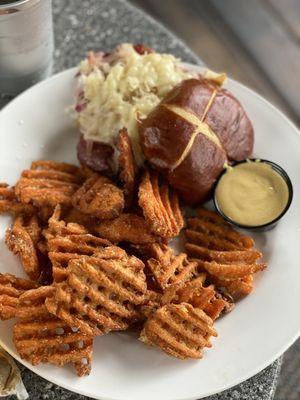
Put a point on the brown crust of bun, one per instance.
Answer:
(164, 135)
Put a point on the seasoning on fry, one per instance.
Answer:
(160, 206)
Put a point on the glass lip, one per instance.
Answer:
(280, 171)
(18, 5)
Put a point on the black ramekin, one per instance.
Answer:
(271, 224)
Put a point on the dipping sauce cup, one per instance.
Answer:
(253, 194)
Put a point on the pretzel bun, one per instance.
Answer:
(192, 133)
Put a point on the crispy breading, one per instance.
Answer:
(160, 206)
(198, 295)
(62, 249)
(48, 183)
(66, 241)
(10, 204)
(22, 239)
(58, 226)
(40, 337)
(101, 292)
(192, 288)
(180, 330)
(236, 288)
(86, 172)
(228, 257)
(211, 216)
(205, 254)
(226, 237)
(100, 197)
(127, 166)
(11, 288)
(126, 228)
(75, 216)
(168, 268)
(230, 271)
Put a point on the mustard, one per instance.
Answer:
(252, 193)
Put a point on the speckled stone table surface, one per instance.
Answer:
(80, 26)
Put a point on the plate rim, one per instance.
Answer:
(246, 375)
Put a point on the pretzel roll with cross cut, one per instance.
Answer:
(191, 135)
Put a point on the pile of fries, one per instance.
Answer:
(98, 259)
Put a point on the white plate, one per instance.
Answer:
(262, 326)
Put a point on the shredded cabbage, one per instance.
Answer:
(116, 90)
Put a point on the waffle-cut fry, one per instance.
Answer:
(100, 197)
(10, 204)
(160, 206)
(86, 172)
(127, 166)
(11, 288)
(75, 216)
(230, 271)
(210, 242)
(84, 244)
(58, 226)
(45, 213)
(168, 268)
(236, 288)
(49, 340)
(153, 300)
(40, 337)
(222, 232)
(22, 239)
(227, 256)
(126, 228)
(205, 297)
(48, 183)
(62, 245)
(32, 303)
(211, 216)
(217, 306)
(180, 330)
(101, 292)
(224, 257)
(199, 296)
(62, 249)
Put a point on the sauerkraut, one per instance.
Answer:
(118, 89)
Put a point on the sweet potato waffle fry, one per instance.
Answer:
(236, 288)
(227, 256)
(22, 239)
(71, 219)
(48, 183)
(168, 268)
(66, 241)
(178, 280)
(204, 297)
(62, 249)
(160, 206)
(10, 204)
(179, 330)
(58, 226)
(40, 337)
(73, 215)
(127, 166)
(11, 289)
(101, 292)
(126, 228)
(100, 197)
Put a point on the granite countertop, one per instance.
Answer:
(80, 26)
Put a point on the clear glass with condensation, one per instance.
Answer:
(26, 44)
(252, 193)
